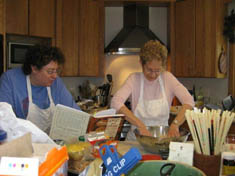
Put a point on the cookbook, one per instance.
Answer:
(69, 123)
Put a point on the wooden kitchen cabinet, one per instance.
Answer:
(17, 16)
(42, 18)
(2, 17)
(30, 17)
(91, 37)
(67, 34)
(231, 82)
(80, 35)
(198, 38)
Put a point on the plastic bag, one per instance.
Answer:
(16, 127)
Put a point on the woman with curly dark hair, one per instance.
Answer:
(151, 93)
(35, 89)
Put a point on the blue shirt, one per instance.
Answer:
(13, 90)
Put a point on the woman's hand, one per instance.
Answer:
(143, 131)
(174, 131)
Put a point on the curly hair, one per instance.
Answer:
(153, 50)
(41, 55)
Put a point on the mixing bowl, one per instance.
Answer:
(159, 142)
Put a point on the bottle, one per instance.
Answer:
(81, 138)
(228, 163)
(200, 99)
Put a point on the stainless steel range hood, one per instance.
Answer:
(135, 31)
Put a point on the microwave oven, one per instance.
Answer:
(18, 45)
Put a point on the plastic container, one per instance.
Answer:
(148, 157)
(55, 163)
(3, 136)
(228, 163)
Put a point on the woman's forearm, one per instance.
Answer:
(130, 117)
(180, 118)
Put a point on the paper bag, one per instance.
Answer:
(20, 147)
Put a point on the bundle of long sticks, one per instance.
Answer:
(209, 129)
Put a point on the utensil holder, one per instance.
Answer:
(209, 164)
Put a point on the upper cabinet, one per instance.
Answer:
(231, 81)
(199, 38)
(17, 16)
(80, 35)
(91, 37)
(2, 17)
(30, 17)
(42, 18)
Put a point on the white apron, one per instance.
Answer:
(151, 112)
(40, 117)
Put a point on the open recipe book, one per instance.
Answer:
(69, 123)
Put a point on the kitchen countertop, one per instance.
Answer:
(124, 146)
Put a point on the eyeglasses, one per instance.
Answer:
(52, 71)
(149, 70)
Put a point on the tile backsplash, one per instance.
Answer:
(214, 90)
(72, 83)
(121, 66)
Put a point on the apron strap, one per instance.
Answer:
(49, 95)
(163, 90)
(29, 89)
(141, 87)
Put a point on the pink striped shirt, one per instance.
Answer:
(152, 90)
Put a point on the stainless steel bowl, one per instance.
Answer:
(159, 142)
(158, 131)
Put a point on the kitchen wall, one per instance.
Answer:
(120, 66)
(72, 83)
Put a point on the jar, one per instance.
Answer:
(3, 136)
(228, 163)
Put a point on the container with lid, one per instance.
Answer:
(228, 163)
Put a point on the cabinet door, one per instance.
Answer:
(17, 16)
(184, 39)
(1, 17)
(42, 18)
(209, 37)
(231, 82)
(67, 35)
(91, 37)
(80, 35)
(199, 38)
